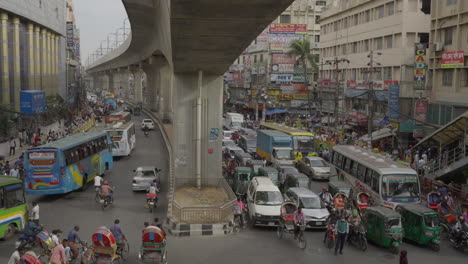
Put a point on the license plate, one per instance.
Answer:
(151, 204)
(101, 201)
(271, 223)
(318, 223)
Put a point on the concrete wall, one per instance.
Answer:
(48, 13)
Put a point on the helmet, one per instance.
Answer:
(105, 183)
(355, 212)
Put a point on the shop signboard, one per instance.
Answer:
(281, 78)
(69, 31)
(364, 85)
(453, 59)
(420, 65)
(32, 102)
(420, 111)
(283, 59)
(279, 48)
(288, 28)
(300, 96)
(285, 97)
(394, 102)
(298, 78)
(284, 38)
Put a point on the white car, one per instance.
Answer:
(228, 143)
(315, 212)
(227, 134)
(148, 123)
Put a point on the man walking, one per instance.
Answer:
(20, 138)
(14, 172)
(12, 144)
(35, 213)
(342, 229)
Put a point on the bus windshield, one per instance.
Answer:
(303, 143)
(400, 187)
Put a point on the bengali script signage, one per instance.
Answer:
(453, 59)
(420, 65)
(420, 111)
(279, 48)
(284, 38)
(364, 85)
(69, 30)
(394, 102)
(288, 28)
(283, 59)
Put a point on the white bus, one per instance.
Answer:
(388, 182)
(123, 138)
(233, 121)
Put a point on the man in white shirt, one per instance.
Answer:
(35, 213)
(16, 256)
(14, 172)
(97, 183)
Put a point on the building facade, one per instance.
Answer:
(390, 30)
(448, 68)
(265, 76)
(73, 57)
(32, 53)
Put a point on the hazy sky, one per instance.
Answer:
(96, 19)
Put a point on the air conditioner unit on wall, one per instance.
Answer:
(438, 46)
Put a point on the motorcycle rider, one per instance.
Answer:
(331, 221)
(152, 190)
(146, 130)
(457, 230)
(31, 229)
(326, 196)
(354, 221)
(107, 191)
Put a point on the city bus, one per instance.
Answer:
(303, 141)
(123, 138)
(388, 182)
(67, 164)
(12, 206)
(121, 116)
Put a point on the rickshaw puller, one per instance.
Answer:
(299, 220)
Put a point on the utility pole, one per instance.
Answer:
(336, 62)
(370, 97)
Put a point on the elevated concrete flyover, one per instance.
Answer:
(184, 47)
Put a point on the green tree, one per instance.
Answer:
(300, 48)
(6, 116)
(56, 107)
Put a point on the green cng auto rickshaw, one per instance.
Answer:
(335, 187)
(270, 172)
(421, 224)
(242, 158)
(254, 166)
(383, 227)
(241, 180)
(295, 180)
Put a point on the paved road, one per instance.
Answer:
(65, 211)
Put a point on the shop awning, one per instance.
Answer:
(276, 111)
(379, 134)
(453, 131)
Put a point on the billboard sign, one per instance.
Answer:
(279, 48)
(32, 102)
(453, 59)
(281, 78)
(284, 38)
(394, 102)
(283, 59)
(420, 111)
(69, 30)
(288, 28)
(420, 65)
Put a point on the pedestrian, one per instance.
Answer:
(12, 144)
(16, 256)
(56, 235)
(34, 216)
(25, 137)
(116, 230)
(342, 229)
(7, 167)
(404, 257)
(14, 172)
(20, 138)
(73, 235)
(37, 140)
(58, 255)
(28, 132)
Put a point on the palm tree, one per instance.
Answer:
(301, 49)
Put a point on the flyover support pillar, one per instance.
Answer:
(125, 83)
(197, 125)
(154, 81)
(111, 83)
(138, 74)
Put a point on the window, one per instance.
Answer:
(464, 77)
(387, 73)
(340, 161)
(448, 36)
(255, 58)
(451, 2)
(368, 177)
(354, 169)
(447, 77)
(261, 57)
(366, 45)
(375, 181)
(367, 16)
(356, 19)
(380, 11)
(354, 47)
(345, 22)
(389, 42)
(347, 167)
(321, 3)
(317, 19)
(343, 49)
(317, 38)
(335, 26)
(286, 19)
(361, 172)
(390, 9)
(378, 43)
(243, 59)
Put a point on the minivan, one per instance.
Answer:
(264, 201)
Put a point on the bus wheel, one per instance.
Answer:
(10, 231)
(85, 183)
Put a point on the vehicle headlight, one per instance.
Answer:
(428, 233)
(258, 215)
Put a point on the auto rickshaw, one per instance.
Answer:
(241, 180)
(242, 158)
(335, 187)
(420, 224)
(363, 200)
(433, 200)
(295, 180)
(254, 165)
(383, 226)
(270, 172)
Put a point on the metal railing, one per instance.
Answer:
(203, 214)
(446, 159)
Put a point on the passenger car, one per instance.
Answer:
(314, 167)
(144, 176)
(314, 210)
(227, 134)
(264, 202)
(228, 143)
(148, 123)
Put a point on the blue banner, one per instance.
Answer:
(394, 101)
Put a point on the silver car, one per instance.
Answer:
(314, 209)
(314, 167)
(144, 176)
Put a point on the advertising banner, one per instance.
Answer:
(299, 86)
(420, 111)
(281, 78)
(394, 102)
(453, 59)
(288, 28)
(298, 78)
(364, 85)
(286, 68)
(283, 59)
(285, 97)
(284, 38)
(32, 102)
(420, 65)
(300, 96)
(279, 48)
(69, 30)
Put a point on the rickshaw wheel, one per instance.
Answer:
(363, 244)
(164, 257)
(279, 232)
(302, 242)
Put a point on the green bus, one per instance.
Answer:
(13, 206)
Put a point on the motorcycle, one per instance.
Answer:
(330, 236)
(146, 133)
(151, 199)
(460, 243)
(105, 201)
(26, 242)
(358, 237)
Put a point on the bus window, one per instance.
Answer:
(361, 172)
(14, 195)
(348, 163)
(375, 181)
(339, 164)
(354, 169)
(368, 178)
(335, 158)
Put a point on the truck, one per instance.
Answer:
(233, 121)
(276, 147)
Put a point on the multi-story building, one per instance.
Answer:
(32, 48)
(74, 87)
(264, 68)
(390, 29)
(448, 67)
